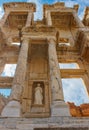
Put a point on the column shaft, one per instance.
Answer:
(78, 21)
(4, 18)
(49, 20)
(56, 83)
(19, 78)
(29, 19)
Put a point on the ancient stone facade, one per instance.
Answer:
(36, 100)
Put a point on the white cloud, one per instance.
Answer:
(74, 91)
(70, 3)
(9, 70)
(1, 12)
(68, 66)
(39, 9)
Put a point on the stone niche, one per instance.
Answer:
(36, 95)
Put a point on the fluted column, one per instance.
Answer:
(49, 20)
(19, 78)
(78, 21)
(29, 19)
(56, 83)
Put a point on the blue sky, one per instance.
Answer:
(74, 90)
(69, 3)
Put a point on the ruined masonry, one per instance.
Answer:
(36, 101)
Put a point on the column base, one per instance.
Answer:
(12, 109)
(60, 108)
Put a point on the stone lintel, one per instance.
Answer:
(6, 82)
(70, 73)
(39, 29)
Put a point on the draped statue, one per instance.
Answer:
(38, 95)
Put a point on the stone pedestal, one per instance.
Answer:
(59, 108)
(12, 109)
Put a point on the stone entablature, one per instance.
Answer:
(21, 6)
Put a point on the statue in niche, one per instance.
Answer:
(38, 96)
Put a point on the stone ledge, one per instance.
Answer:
(53, 122)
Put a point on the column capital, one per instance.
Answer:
(51, 40)
(25, 40)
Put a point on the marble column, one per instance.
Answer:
(19, 78)
(58, 107)
(49, 20)
(29, 19)
(13, 108)
(56, 83)
(78, 21)
(4, 18)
